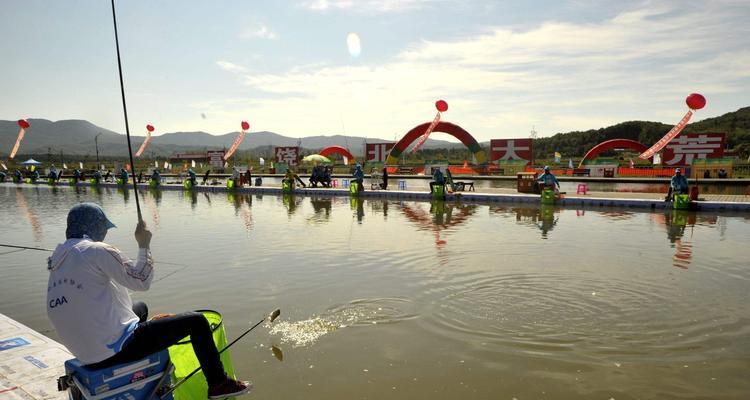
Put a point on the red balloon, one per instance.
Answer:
(23, 124)
(695, 101)
(245, 125)
(441, 105)
(150, 128)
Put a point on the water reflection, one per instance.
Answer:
(321, 209)
(242, 205)
(23, 207)
(543, 218)
(379, 207)
(152, 200)
(357, 205)
(440, 216)
(291, 203)
(125, 192)
(676, 222)
(193, 198)
(617, 215)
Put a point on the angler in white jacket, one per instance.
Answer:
(90, 307)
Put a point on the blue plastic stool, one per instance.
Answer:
(345, 183)
(401, 185)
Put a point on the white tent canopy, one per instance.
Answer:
(31, 161)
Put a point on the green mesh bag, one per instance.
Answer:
(185, 361)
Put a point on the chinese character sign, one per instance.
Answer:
(288, 155)
(683, 149)
(377, 152)
(216, 159)
(511, 149)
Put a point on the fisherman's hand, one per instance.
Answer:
(142, 235)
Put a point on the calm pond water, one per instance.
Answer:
(413, 300)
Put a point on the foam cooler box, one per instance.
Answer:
(131, 381)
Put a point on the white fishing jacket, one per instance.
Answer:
(87, 296)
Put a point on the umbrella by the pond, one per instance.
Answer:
(31, 161)
(316, 158)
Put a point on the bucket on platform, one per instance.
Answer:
(438, 192)
(681, 201)
(548, 196)
(184, 360)
(286, 186)
(354, 188)
(188, 184)
(230, 184)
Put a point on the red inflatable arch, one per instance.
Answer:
(336, 150)
(613, 144)
(445, 127)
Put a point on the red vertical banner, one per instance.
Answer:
(149, 129)
(668, 137)
(237, 140)
(22, 125)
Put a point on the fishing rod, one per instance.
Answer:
(125, 112)
(13, 246)
(270, 317)
(25, 247)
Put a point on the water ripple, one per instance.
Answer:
(547, 314)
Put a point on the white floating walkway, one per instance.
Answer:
(469, 197)
(30, 363)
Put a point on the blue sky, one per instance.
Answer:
(284, 66)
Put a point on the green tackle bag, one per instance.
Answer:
(184, 360)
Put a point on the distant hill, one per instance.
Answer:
(735, 124)
(76, 137)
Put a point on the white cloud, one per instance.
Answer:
(363, 5)
(262, 32)
(230, 67)
(558, 76)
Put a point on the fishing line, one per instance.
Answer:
(51, 250)
(125, 112)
